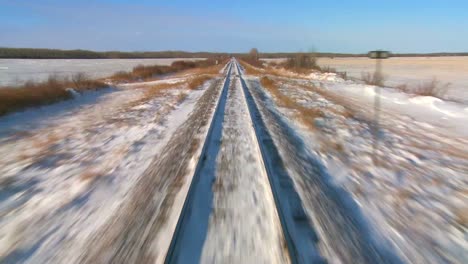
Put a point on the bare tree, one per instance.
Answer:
(302, 60)
(253, 53)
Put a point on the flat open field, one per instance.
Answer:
(236, 164)
(411, 71)
(18, 71)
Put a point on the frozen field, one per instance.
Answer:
(18, 71)
(248, 167)
(411, 71)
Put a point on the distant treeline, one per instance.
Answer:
(27, 53)
(30, 53)
(342, 55)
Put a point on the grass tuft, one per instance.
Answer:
(36, 94)
(198, 81)
(430, 88)
(373, 78)
(303, 114)
(143, 72)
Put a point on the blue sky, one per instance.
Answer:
(236, 26)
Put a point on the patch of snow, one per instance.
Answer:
(18, 71)
(73, 92)
(449, 116)
(411, 71)
(411, 198)
(235, 233)
(67, 173)
(148, 83)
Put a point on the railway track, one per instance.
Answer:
(174, 247)
(198, 228)
(300, 235)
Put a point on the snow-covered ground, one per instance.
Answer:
(103, 178)
(230, 216)
(65, 169)
(244, 225)
(411, 71)
(415, 196)
(17, 71)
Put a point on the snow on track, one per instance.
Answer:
(300, 236)
(244, 225)
(231, 216)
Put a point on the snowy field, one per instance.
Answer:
(17, 71)
(451, 71)
(67, 168)
(236, 170)
(414, 196)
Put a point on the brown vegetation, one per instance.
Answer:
(158, 89)
(55, 88)
(249, 69)
(305, 115)
(142, 72)
(90, 174)
(430, 88)
(286, 101)
(343, 74)
(301, 62)
(210, 70)
(272, 87)
(252, 58)
(373, 78)
(461, 216)
(43, 93)
(198, 81)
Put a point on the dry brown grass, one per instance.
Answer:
(145, 72)
(307, 116)
(198, 81)
(268, 83)
(301, 61)
(251, 70)
(429, 88)
(211, 70)
(192, 83)
(303, 114)
(159, 89)
(403, 195)
(346, 111)
(329, 145)
(43, 93)
(122, 76)
(281, 99)
(47, 141)
(352, 109)
(90, 174)
(461, 216)
(373, 78)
